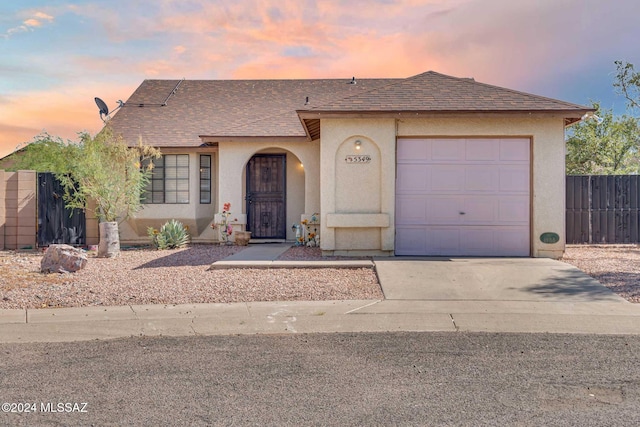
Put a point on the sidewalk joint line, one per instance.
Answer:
(454, 322)
(364, 306)
(134, 312)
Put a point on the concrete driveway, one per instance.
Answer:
(499, 295)
(488, 279)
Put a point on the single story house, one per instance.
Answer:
(425, 165)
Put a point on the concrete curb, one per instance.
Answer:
(89, 323)
(420, 297)
(221, 265)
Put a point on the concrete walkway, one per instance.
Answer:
(265, 255)
(260, 252)
(428, 294)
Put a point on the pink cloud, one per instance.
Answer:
(501, 42)
(61, 112)
(33, 20)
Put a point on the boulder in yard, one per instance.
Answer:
(63, 259)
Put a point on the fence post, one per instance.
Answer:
(590, 207)
(3, 207)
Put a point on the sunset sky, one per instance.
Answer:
(56, 55)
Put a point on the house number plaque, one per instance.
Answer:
(358, 158)
(549, 238)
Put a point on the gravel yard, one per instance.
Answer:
(615, 266)
(146, 276)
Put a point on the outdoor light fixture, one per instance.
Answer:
(358, 144)
(591, 115)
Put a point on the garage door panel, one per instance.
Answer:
(473, 197)
(444, 210)
(411, 241)
(514, 150)
(514, 179)
(480, 179)
(413, 150)
(443, 240)
(513, 210)
(479, 210)
(476, 240)
(463, 241)
(412, 178)
(447, 149)
(512, 241)
(445, 178)
(481, 150)
(411, 210)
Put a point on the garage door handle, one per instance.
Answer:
(462, 213)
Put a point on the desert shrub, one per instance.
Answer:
(173, 234)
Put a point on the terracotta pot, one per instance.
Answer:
(242, 238)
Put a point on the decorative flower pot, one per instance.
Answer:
(242, 238)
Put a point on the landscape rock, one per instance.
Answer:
(63, 259)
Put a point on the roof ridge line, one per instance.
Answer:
(396, 81)
(519, 92)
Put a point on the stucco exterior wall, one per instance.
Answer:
(357, 203)
(229, 185)
(18, 206)
(358, 200)
(197, 216)
(303, 177)
(547, 170)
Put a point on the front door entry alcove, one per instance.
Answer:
(266, 196)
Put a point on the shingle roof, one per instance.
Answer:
(431, 91)
(224, 108)
(174, 113)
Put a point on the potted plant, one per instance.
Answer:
(224, 225)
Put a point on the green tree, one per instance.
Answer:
(627, 83)
(100, 169)
(608, 146)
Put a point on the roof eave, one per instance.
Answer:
(310, 118)
(252, 138)
(327, 114)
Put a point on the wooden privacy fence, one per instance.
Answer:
(32, 213)
(603, 209)
(56, 223)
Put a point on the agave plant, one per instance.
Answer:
(173, 234)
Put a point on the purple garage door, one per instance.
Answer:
(467, 196)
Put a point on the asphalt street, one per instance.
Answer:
(325, 379)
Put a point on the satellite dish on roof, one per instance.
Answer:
(104, 110)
